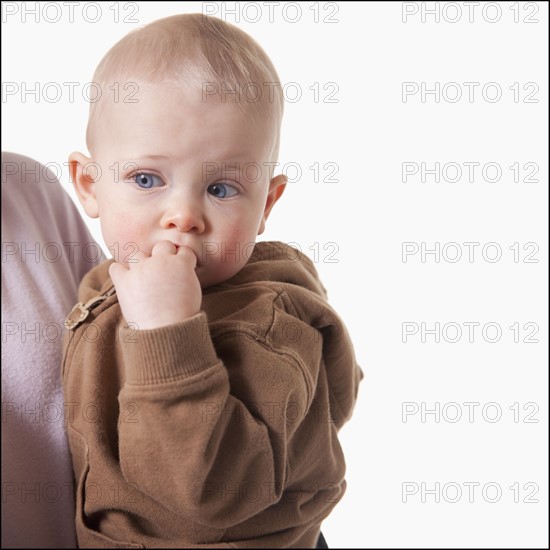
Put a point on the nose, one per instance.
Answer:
(185, 215)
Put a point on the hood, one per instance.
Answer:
(277, 262)
(290, 273)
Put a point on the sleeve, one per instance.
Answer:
(194, 439)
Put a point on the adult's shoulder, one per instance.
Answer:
(46, 238)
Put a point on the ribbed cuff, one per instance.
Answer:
(175, 351)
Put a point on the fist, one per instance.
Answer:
(160, 289)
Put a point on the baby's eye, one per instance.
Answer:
(147, 181)
(222, 190)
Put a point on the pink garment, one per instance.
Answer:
(40, 276)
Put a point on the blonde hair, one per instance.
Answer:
(194, 50)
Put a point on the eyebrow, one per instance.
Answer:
(227, 164)
(220, 167)
(151, 157)
(232, 165)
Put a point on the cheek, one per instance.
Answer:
(122, 233)
(238, 237)
(232, 250)
(243, 225)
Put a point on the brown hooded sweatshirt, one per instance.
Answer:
(219, 431)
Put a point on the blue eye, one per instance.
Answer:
(147, 181)
(222, 190)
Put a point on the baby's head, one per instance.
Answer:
(176, 155)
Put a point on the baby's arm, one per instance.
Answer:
(206, 432)
(197, 441)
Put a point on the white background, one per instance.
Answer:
(368, 52)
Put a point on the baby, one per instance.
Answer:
(205, 376)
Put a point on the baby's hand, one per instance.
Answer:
(160, 289)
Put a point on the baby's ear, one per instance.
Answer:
(81, 172)
(276, 188)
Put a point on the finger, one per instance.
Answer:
(163, 247)
(186, 251)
